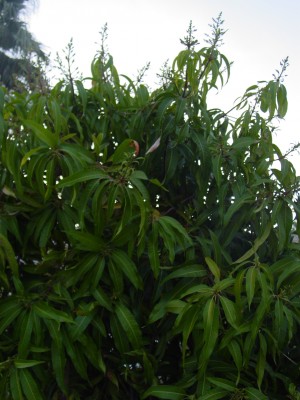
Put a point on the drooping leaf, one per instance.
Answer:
(250, 284)
(188, 271)
(215, 394)
(214, 269)
(43, 310)
(129, 325)
(127, 267)
(254, 394)
(82, 176)
(229, 310)
(257, 243)
(29, 385)
(164, 392)
(42, 133)
(15, 385)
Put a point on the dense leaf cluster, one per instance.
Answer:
(133, 271)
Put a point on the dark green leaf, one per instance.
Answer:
(29, 385)
(188, 271)
(164, 392)
(15, 385)
(215, 394)
(43, 310)
(82, 176)
(42, 133)
(129, 324)
(254, 394)
(127, 267)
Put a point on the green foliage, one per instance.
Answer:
(149, 245)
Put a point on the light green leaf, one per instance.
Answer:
(30, 153)
(175, 306)
(229, 310)
(18, 363)
(201, 289)
(123, 151)
(214, 269)
(156, 182)
(139, 175)
(224, 284)
(282, 101)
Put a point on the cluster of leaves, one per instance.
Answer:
(137, 272)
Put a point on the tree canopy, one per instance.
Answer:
(18, 48)
(149, 245)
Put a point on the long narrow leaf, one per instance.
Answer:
(29, 385)
(82, 176)
(165, 392)
(129, 325)
(43, 310)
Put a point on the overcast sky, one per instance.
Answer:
(260, 34)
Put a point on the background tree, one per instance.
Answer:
(147, 241)
(19, 51)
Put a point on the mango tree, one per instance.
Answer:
(149, 244)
